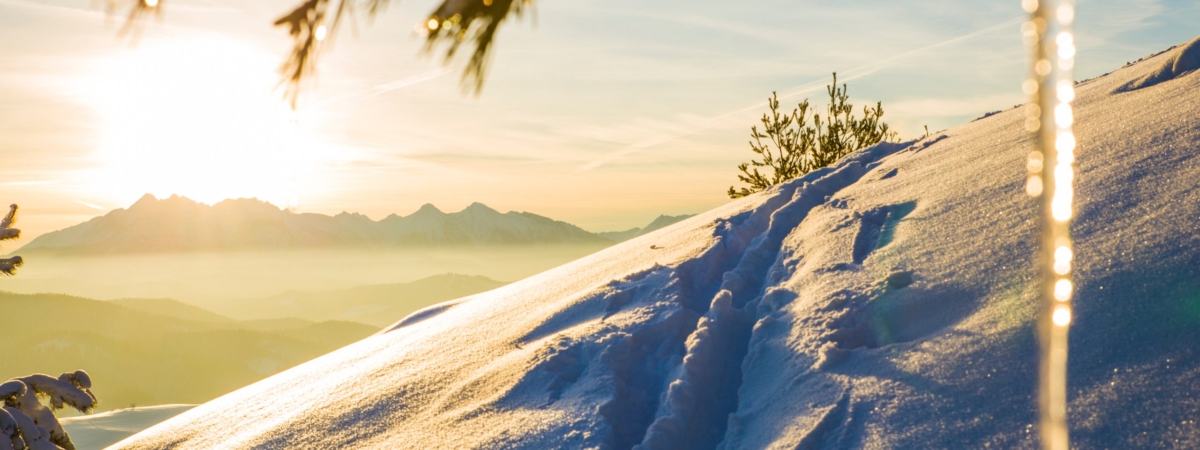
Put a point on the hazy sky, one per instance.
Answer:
(601, 113)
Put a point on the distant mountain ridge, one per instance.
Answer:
(181, 224)
(129, 347)
(658, 222)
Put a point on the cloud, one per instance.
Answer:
(91, 205)
(29, 183)
(803, 89)
(43, 7)
(384, 88)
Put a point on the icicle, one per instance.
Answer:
(1051, 174)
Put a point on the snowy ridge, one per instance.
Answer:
(690, 418)
(100, 430)
(1181, 62)
(885, 302)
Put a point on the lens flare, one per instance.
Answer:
(1066, 14)
(1051, 177)
(1062, 290)
(1063, 115)
(1066, 91)
(1033, 186)
(1062, 315)
(1062, 261)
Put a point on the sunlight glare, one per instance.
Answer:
(1062, 290)
(1062, 315)
(199, 118)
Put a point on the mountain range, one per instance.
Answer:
(659, 222)
(180, 224)
(156, 351)
(163, 351)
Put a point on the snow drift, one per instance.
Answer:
(1181, 62)
(97, 431)
(885, 302)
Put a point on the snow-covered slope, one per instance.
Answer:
(98, 431)
(885, 302)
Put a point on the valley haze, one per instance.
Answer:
(247, 249)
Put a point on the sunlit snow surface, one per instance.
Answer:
(97, 431)
(886, 302)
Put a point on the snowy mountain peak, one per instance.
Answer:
(145, 200)
(1179, 61)
(353, 216)
(149, 202)
(242, 206)
(479, 208)
(428, 209)
(662, 221)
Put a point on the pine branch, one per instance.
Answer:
(314, 23)
(794, 147)
(8, 266)
(6, 230)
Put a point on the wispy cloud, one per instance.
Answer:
(389, 87)
(760, 33)
(654, 93)
(37, 6)
(803, 89)
(91, 205)
(29, 183)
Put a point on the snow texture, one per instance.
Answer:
(8, 431)
(885, 302)
(96, 431)
(1183, 61)
(36, 426)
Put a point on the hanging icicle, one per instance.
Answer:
(1051, 177)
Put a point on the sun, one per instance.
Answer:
(199, 117)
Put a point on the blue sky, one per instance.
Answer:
(601, 113)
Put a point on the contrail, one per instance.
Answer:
(44, 7)
(29, 183)
(388, 87)
(90, 205)
(852, 74)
